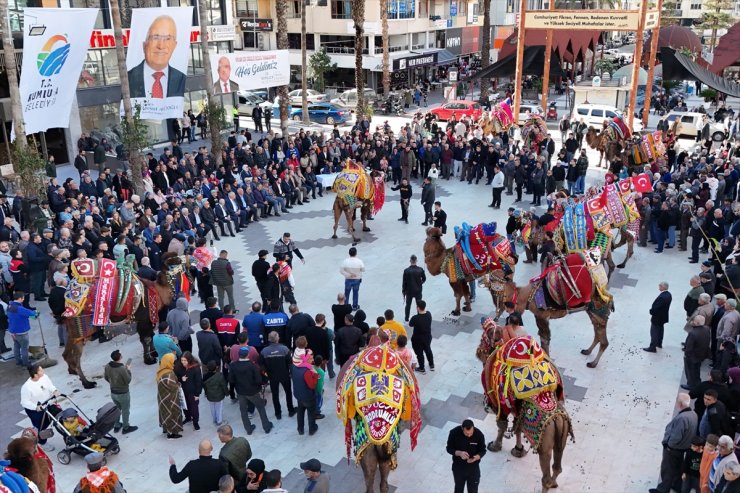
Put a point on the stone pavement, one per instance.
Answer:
(616, 408)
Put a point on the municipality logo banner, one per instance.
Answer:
(55, 43)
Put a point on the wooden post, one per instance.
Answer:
(519, 59)
(636, 64)
(651, 65)
(548, 55)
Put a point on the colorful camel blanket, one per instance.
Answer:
(569, 282)
(478, 250)
(575, 227)
(537, 413)
(354, 184)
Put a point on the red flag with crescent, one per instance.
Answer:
(624, 187)
(642, 183)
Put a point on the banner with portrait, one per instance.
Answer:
(247, 70)
(55, 43)
(157, 60)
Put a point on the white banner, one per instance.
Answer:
(245, 70)
(157, 60)
(54, 46)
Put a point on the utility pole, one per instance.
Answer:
(304, 64)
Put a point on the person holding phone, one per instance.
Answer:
(118, 376)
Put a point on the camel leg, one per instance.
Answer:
(630, 250)
(561, 439)
(146, 333)
(337, 214)
(609, 265)
(73, 356)
(600, 334)
(543, 329)
(368, 463)
(496, 445)
(364, 214)
(466, 294)
(349, 214)
(518, 451)
(385, 469)
(545, 455)
(457, 290)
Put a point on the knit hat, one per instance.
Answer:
(243, 352)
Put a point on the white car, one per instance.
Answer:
(525, 109)
(690, 125)
(611, 53)
(248, 101)
(348, 99)
(297, 100)
(595, 114)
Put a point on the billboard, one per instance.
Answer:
(54, 48)
(157, 60)
(246, 70)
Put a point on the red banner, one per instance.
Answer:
(642, 183)
(104, 292)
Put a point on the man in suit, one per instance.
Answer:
(237, 213)
(659, 317)
(411, 286)
(154, 77)
(223, 85)
(223, 217)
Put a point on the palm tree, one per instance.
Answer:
(281, 12)
(386, 48)
(12, 73)
(358, 16)
(214, 112)
(304, 64)
(486, 51)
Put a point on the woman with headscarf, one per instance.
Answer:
(255, 475)
(168, 398)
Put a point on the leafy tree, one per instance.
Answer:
(715, 19)
(321, 64)
(671, 14)
(605, 65)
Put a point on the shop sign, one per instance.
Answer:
(453, 41)
(579, 20)
(453, 8)
(221, 33)
(259, 25)
(399, 79)
(415, 61)
(103, 38)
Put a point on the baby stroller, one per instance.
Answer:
(81, 436)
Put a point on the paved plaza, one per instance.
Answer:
(618, 409)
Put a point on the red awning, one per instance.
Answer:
(574, 42)
(727, 52)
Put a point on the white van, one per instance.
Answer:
(348, 99)
(595, 114)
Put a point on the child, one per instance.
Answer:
(707, 457)
(691, 464)
(72, 422)
(318, 362)
(214, 386)
(405, 353)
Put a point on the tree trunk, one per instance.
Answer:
(281, 10)
(485, 53)
(11, 71)
(358, 16)
(304, 64)
(134, 154)
(214, 117)
(386, 48)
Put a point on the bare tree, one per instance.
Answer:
(215, 110)
(281, 10)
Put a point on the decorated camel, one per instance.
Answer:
(478, 251)
(519, 380)
(375, 391)
(357, 189)
(499, 119)
(533, 131)
(108, 295)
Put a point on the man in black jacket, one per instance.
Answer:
(202, 473)
(260, 272)
(348, 340)
(659, 317)
(209, 346)
(427, 200)
(696, 349)
(406, 193)
(56, 304)
(275, 359)
(716, 378)
(297, 326)
(247, 381)
(411, 286)
(466, 444)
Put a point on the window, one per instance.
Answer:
(102, 21)
(401, 9)
(186, 3)
(250, 39)
(597, 113)
(687, 119)
(583, 111)
(99, 69)
(611, 114)
(294, 41)
(423, 8)
(695, 6)
(294, 9)
(246, 8)
(341, 9)
(216, 12)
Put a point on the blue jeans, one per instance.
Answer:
(352, 285)
(319, 402)
(660, 238)
(471, 284)
(671, 236)
(580, 184)
(20, 348)
(572, 187)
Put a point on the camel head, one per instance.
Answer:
(434, 251)
(592, 138)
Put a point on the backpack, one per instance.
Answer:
(311, 378)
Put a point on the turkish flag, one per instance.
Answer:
(624, 187)
(642, 183)
(595, 204)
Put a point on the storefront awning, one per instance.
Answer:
(445, 57)
(677, 66)
(534, 64)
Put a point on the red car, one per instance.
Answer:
(459, 108)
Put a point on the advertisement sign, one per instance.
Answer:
(652, 19)
(104, 38)
(259, 25)
(221, 32)
(245, 70)
(415, 61)
(471, 40)
(453, 41)
(453, 8)
(53, 54)
(580, 20)
(157, 60)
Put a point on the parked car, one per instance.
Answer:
(296, 97)
(319, 112)
(690, 125)
(348, 99)
(525, 109)
(595, 114)
(611, 53)
(459, 108)
(248, 101)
